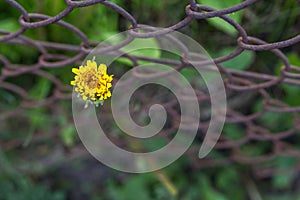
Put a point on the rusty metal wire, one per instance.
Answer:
(236, 81)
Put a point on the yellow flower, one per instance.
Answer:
(92, 82)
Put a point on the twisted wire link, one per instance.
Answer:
(236, 81)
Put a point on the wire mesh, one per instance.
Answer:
(237, 82)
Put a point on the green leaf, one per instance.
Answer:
(294, 59)
(241, 62)
(220, 23)
(284, 180)
(38, 116)
(41, 89)
(207, 191)
(9, 25)
(292, 95)
(7, 99)
(68, 135)
(189, 73)
(292, 92)
(230, 176)
(145, 47)
(153, 144)
(136, 187)
(233, 131)
(39, 119)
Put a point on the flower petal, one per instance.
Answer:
(92, 64)
(75, 70)
(102, 68)
(108, 94)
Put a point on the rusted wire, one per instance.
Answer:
(236, 81)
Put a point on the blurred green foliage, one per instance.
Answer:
(219, 23)
(232, 182)
(14, 185)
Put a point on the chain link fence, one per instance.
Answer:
(242, 86)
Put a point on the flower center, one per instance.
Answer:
(90, 80)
